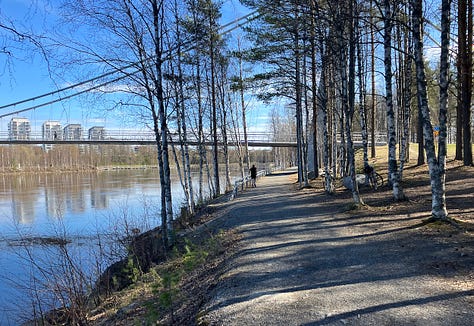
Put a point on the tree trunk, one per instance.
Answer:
(214, 106)
(201, 147)
(407, 95)
(223, 116)
(372, 111)
(349, 102)
(244, 116)
(392, 137)
(314, 89)
(298, 101)
(436, 170)
(323, 102)
(166, 182)
(182, 125)
(467, 90)
(362, 97)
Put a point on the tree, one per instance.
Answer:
(464, 66)
(194, 27)
(394, 176)
(240, 85)
(181, 115)
(16, 42)
(213, 15)
(139, 27)
(437, 165)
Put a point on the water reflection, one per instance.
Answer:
(60, 194)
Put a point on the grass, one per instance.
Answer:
(169, 287)
(380, 162)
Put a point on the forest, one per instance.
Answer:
(328, 70)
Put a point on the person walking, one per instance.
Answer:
(253, 176)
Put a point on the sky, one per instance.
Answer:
(28, 75)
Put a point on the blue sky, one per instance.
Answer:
(28, 74)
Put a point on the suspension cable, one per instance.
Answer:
(114, 71)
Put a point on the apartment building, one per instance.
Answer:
(51, 130)
(97, 133)
(72, 131)
(19, 129)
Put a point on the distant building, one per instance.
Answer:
(97, 133)
(19, 129)
(52, 130)
(72, 131)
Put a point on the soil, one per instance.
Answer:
(296, 256)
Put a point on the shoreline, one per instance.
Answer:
(78, 169)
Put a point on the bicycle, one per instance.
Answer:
(375, 180)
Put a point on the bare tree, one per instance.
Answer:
(436, 164)
(394, 176)
(464, 67)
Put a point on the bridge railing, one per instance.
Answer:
(124, 135)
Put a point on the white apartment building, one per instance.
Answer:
(51, 130)
(19, 129)
(72, 131)
(97, 133)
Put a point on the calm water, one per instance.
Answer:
(92, 210)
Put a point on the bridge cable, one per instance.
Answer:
(114, 71)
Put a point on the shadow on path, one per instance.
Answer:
(303, 261)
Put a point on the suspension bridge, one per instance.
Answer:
(137, 137)
(141, 137)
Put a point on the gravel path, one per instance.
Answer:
(303, 262)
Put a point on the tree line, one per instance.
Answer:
(26, 158)
(339, 63)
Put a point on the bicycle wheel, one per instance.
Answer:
(378, 180)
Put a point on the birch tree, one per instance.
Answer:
(135, 32)
(464, 68)
(437, 164)
(180, 109)
(348, 95)
(195, 27)
(394, 176)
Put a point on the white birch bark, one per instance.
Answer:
(392, 137)
(362, 101)
(162, 116)
(436, 166)
(181, 121)
(407, 96)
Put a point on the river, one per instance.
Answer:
(92, 210)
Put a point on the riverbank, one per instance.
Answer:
(84, 168)
(277, 251)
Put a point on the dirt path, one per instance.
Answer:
(302, 261)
